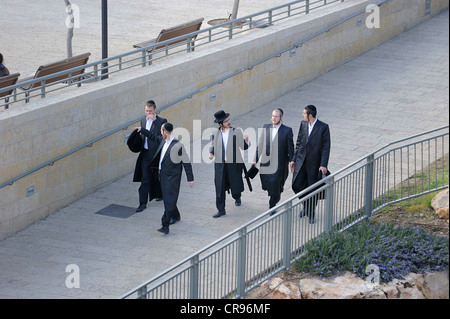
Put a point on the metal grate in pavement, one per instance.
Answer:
(118, 211)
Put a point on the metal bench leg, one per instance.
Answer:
(7, 103)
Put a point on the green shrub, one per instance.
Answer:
(396, 251)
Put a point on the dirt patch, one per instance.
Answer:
(426, 219)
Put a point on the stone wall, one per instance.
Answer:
(42, 130)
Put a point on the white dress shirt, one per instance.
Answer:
(225, 136)
(275, 131)
(310, 127)
(164, 150)
(148, 125)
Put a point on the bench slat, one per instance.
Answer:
(6, 81)
(173, 32)
(56, 67)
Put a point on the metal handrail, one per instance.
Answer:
(102, 69)
(285, 212)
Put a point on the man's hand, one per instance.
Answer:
(292, 167)
(323, 170)
(137, 129)
(191, 184)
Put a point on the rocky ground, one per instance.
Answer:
(294, 285)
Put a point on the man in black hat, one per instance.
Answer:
(229, 165)
(172, 159)
(146, 170)
(276, 150)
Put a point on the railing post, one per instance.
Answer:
(42, 88)
(144, 58)
(287, 235)
(193, 276)
(142, 293)
(241, 262)
(96, 72)
(189, 44)
(369, 186)
(307, 7)
(329, 204)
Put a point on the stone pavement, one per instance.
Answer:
(393, 91)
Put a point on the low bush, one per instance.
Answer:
(395, 250)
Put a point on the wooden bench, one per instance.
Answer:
(56, 67)
(173, 32)
(6, 81)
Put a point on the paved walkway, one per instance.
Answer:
(396, 90)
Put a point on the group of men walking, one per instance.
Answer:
(162, 158)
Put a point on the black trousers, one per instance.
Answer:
(168, 215)
(301, 182)
(220, 198)
(274, 199)
(149, 175)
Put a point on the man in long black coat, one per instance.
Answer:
(146, 170)
(173, 158)
(311, 155)
(229, 164)
(275, 150)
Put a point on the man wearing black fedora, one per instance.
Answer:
(226, 144)
(146, 170)
(275, 151)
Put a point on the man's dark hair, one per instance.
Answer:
(151, 103)
(280, 110)
(168, 127)
(1, 58)
(311, 110)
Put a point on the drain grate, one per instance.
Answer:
(118, 211)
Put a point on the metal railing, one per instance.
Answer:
(246, 257)
(140, 58)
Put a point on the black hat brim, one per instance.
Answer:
(135, 142)
(222, 118)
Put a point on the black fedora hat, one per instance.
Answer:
(135, 142)
(220, 116)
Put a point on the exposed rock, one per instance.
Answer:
(348, 286)
(281, 289)
(440, 204)
(436, 285)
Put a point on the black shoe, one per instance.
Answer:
(312, 220)
(164, 230)
(218, 214)
(174, 220)
(141, 208)
(158, 199)
(238, 202)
